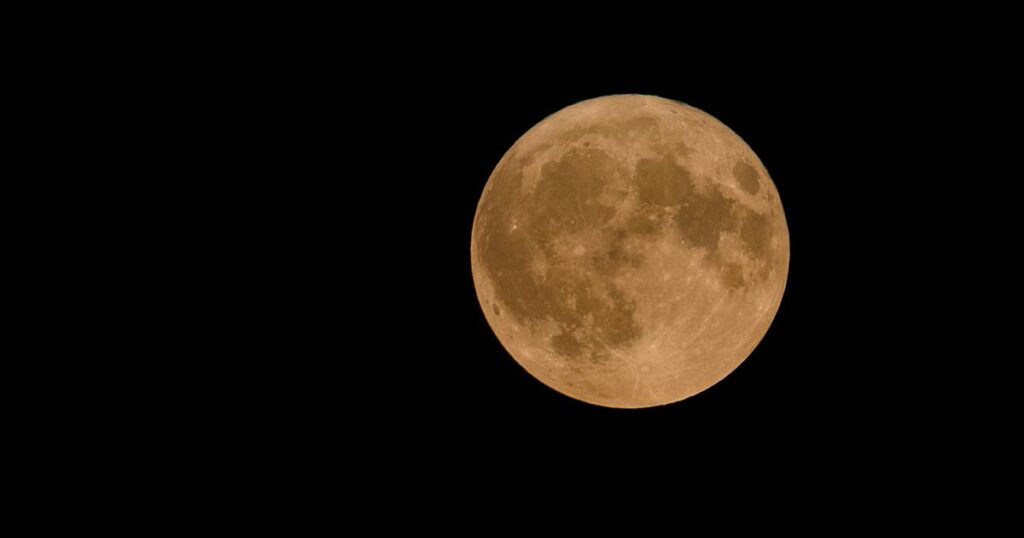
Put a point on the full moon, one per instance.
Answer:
(630, 251)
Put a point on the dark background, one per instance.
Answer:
(254, 287)
(349, 238)
(858, 358)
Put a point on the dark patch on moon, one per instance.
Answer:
(591, 311)
(732, 276)
(641, 225)
(617, 325)
(662, 182)
(700, 217)
(704, 217)
(619, 253)
(567, 193)
(747, 177)
(566, 344)
(616, 250)
(756, 234)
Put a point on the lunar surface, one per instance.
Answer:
(630, 251)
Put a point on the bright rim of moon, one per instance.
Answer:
(630, 251)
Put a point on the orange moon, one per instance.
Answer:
(630, 251)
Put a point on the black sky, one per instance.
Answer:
(388, 152)
(840, 356)
(262, 277)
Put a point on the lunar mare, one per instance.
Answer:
(630, 251)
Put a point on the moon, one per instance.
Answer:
(630, 251)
